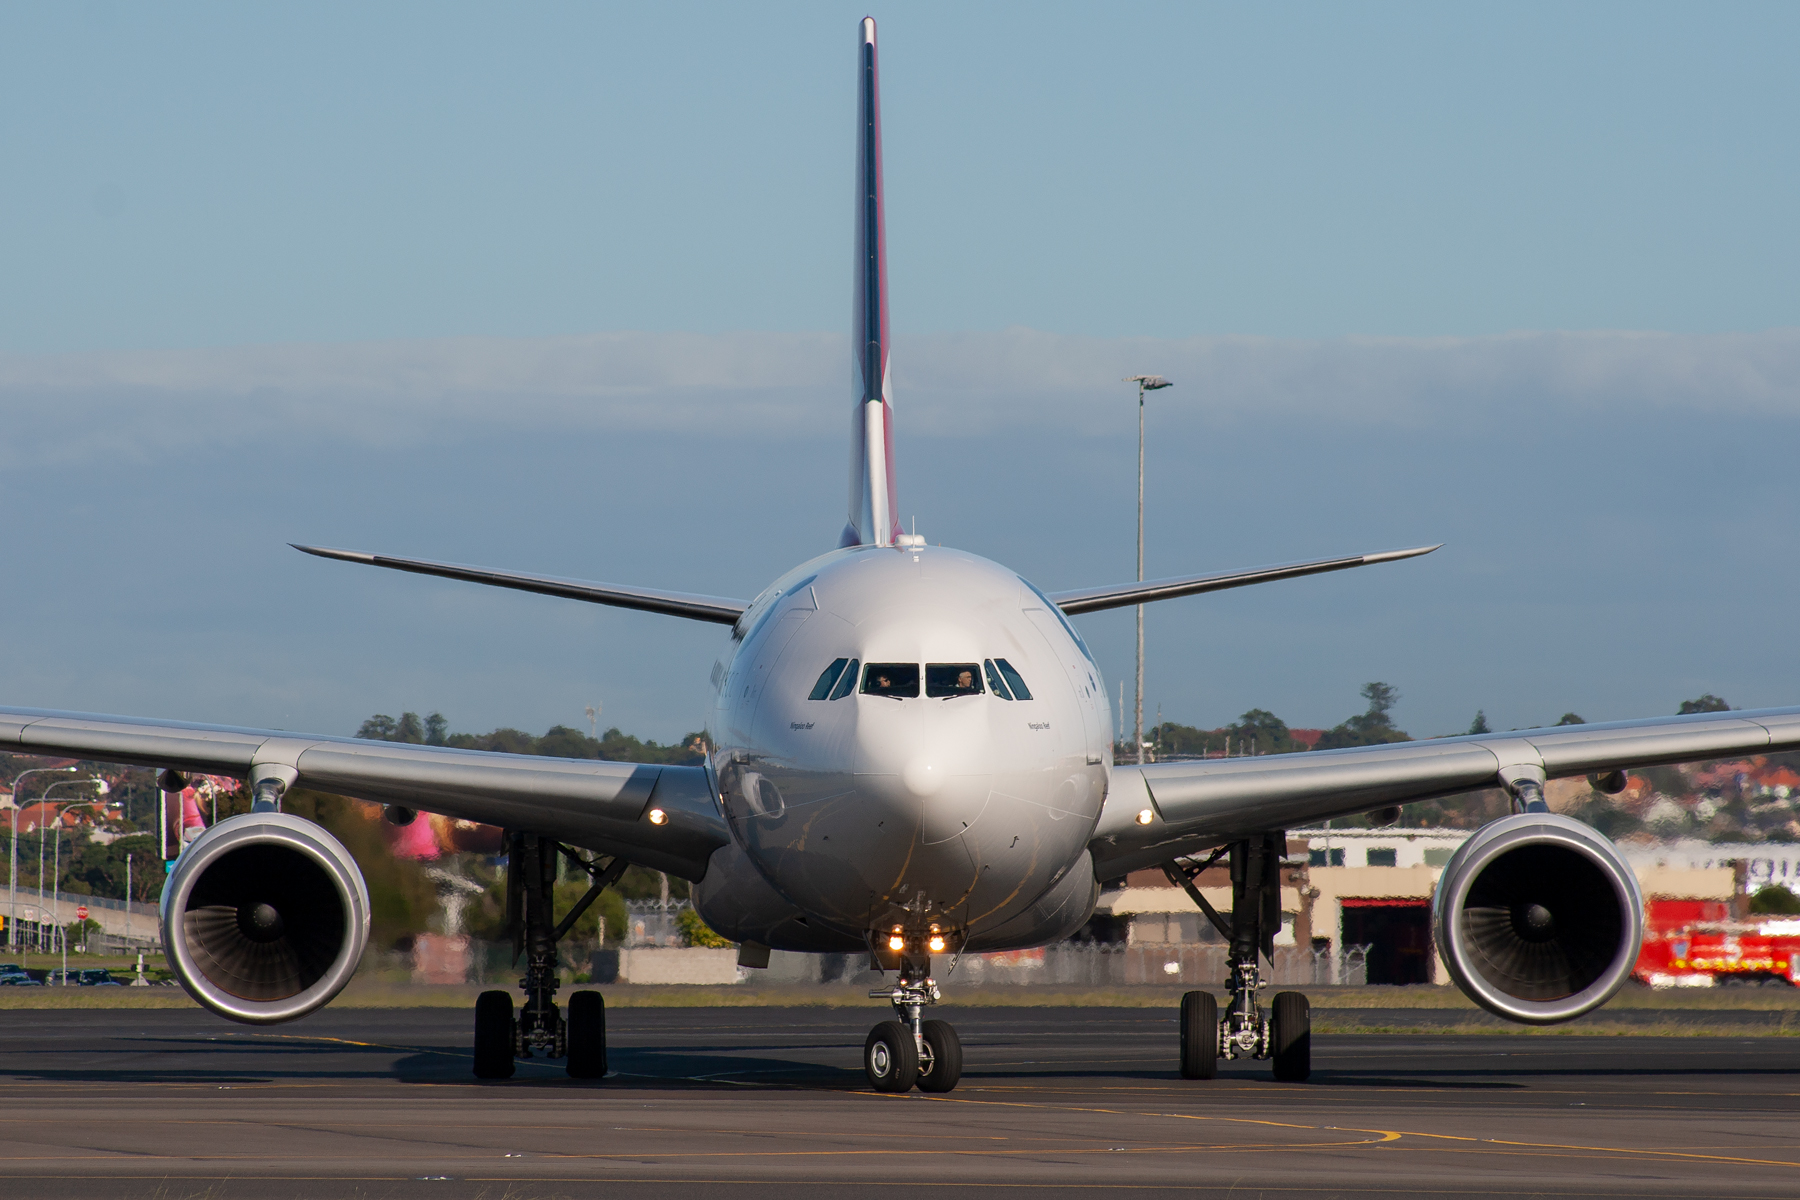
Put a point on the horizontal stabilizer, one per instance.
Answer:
(1119, 595)
(675, 604)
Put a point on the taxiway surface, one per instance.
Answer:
(771, 1103)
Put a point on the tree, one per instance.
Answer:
(1571, 719)
(378, 728)
(1773, 898)
(1370, 728)
(431, 731)
(1479, 724)
(698, 933)
(1260, 731)
(1703, 704)
(1381, 697)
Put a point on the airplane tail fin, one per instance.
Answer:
(873, 508)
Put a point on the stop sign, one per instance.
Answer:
(81, 912)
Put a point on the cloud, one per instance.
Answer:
(145, 403)
(1411, 380)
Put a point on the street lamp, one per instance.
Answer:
(62, 930)
(12, 876)
(1146, 383)
(40, 833)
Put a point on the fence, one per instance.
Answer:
(1069, 965)
(1200, 965)
(653, 923)
(43, 916)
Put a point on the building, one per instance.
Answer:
(1368, 892)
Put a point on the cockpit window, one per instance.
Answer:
(948, 680)
(827, 677)
(996, 684)
(1013, 682)
(846, 682)
(896, 680)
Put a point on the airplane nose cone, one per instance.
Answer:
(922, 777)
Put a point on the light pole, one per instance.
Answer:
(62, 930)
(40, 833)
(1146, 383)
(12, 876)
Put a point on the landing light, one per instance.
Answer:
(658, 817)
(1143, 817)
(896, 942)
(936, 943)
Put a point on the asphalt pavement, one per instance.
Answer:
(771, 1103)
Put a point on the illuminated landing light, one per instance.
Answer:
(896, 942)
(1143, 817)
(658, 817)
(936, 943)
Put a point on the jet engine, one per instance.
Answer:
(265, 917)
(1538, 918)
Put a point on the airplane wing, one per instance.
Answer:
(1119, 595)
(599, 805)
(717, 609)
(1207, 802)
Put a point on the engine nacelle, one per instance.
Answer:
(265, 917)
(1538, 918)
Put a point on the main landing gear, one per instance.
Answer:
(539, 1028)
(912, 1051)
(1282, 1033)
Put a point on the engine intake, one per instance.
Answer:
(265, 918)
(1538, 918)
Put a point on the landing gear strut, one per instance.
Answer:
(1282, 1033)
(912, 1050)
(540, 1029)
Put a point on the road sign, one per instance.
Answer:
(81, 912)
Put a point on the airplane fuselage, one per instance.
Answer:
(905, 735)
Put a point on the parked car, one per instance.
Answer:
(96, 977)
(13, 975)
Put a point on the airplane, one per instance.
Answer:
(911, 756)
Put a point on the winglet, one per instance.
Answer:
(355, 556)
(1382, 556)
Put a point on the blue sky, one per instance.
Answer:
(336, 273)
(204, 175)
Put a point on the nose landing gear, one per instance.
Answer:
(911, 1050)
(540, 1027)
(1283, 1033)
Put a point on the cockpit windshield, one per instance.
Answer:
(1014, 681)
(898, 681)
(827, 677)
(948, 680)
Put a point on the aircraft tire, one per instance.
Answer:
(1291, 1031)
(586, 1030)
(891, 1058)
(493, 1036)
(1199, 1036)
(946, 1058)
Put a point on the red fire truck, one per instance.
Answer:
(1697, 943)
